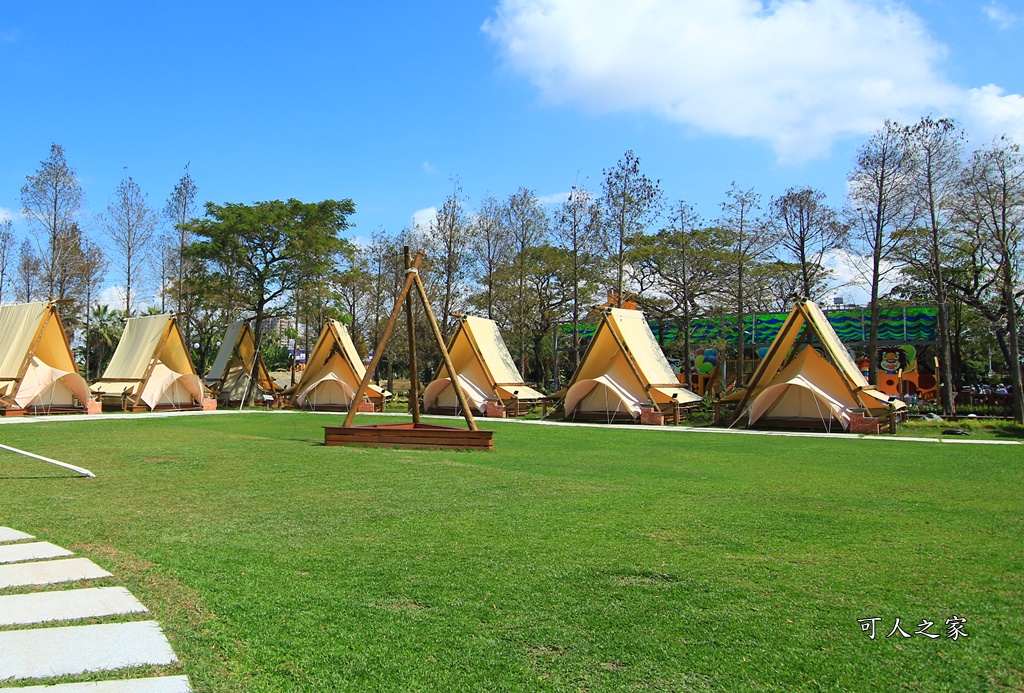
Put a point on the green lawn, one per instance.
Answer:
(569, 559)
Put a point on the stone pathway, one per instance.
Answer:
(47, 648)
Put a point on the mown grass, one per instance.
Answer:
(568, 559)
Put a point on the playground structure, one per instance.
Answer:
(414, 433)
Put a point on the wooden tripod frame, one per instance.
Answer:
(412, 277)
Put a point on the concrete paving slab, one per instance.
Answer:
(40, 607)
(49, 572)
(159, 684)
(8, 535)
(42, 652)
(12, 553)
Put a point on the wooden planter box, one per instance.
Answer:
(409, 435)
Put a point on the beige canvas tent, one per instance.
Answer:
(486, 370)
(623, 370)
(232, 368)
(151, 368)
(38, 373)
(333, 373)
(796, 386)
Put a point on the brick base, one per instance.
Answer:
(651, 417)
(495, 411)
(93, 406)
(863, 424)
(209, 404)
(365, 407)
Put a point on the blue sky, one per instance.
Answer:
(386, 104)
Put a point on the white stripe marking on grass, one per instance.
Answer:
(80, 470)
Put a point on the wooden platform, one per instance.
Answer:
(409, 435)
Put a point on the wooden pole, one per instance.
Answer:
(414, 373)
(466, 412)
(410, 276)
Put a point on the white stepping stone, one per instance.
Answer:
(22, 609)
(49, 572)
(42, 652)
(159, 684)
(7, 535)
(30, 552)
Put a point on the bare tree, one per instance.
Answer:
(577, 230)
(881, 203)
(526, 224)
(489, 245)
(179, 211)
(50, 200)
(993, 209)
(807, 230)
(130, 223)
(749, 241)
(448, 250)
(631, 203)
(91, 271)
(6, 254)
(936, 150)
(29, 271)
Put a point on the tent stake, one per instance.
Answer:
(80, 470)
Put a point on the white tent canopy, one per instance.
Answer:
(151, 367)
(333, 372)
(486, 370)
(37, 369)
(623, 369)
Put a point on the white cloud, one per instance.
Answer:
(423, 218)
(798, 74)
(7, 214)
(851, 276)
(429, 167)
(989, 112)
(999, 15)
(553, 199)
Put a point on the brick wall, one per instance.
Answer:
(864, 424)
(651, 417)
(495, 411)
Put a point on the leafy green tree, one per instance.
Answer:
(103, 332)
(261, 249)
